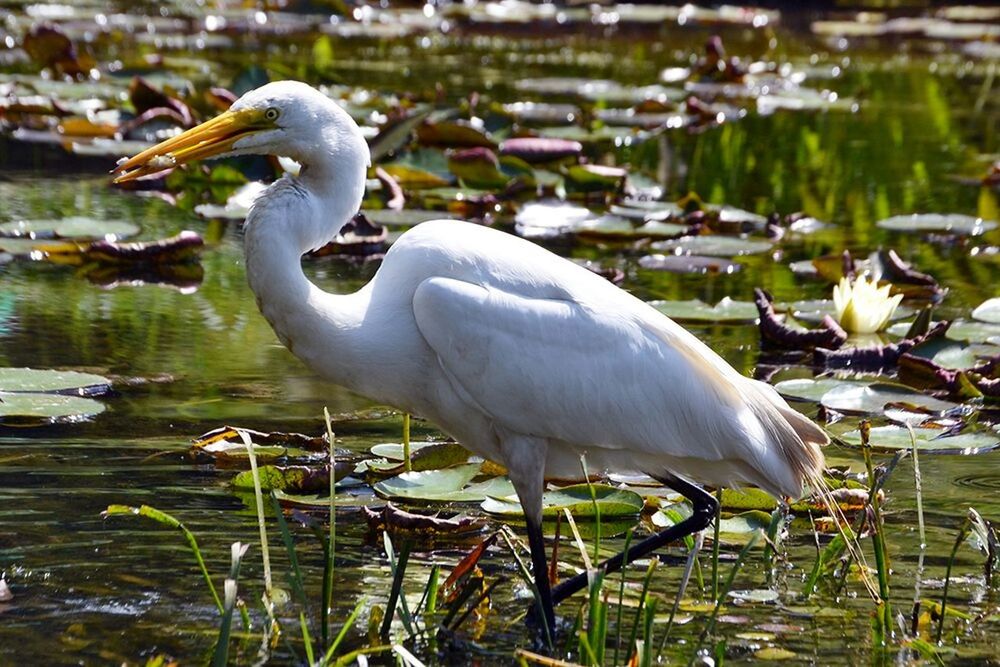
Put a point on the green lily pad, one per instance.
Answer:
(952, 354)
(616, 228)
(44, 380)
(714, 246)
(46, 407)
(988, 311)
(688, 264)
(448, 485)
(226, 449)
(644, 211)
(872, 399)
(405, 218)
(774, 653)
(414, 178)
(974, 332)
(423, 456)
(549, 218)
(726, 311)
(807, 389)
(613, 502)
(759, 595)
(71, 228)
(968, 331)
(952, 223)
(298, 479)
(929, 440)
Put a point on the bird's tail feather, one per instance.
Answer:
(799, 440)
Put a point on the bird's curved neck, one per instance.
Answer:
(295, 215)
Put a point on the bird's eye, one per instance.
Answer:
(271, 114)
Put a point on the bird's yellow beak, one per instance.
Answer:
(211, 138)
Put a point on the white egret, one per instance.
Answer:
(522, 356)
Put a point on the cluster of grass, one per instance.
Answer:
(605, 629)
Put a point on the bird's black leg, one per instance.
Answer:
(705, 508)
(540, 570)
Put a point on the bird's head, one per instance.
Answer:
(286, 118)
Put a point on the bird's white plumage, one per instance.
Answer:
(523, 356)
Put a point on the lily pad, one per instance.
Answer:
(546, 219)
(52, 381)
(974, 332)
(760, 595)
(952, 223)
(872, 399)
(295, 479)
(46, 407)
(613, 502)
(688, 264)
(70, 228)
(423, 456)
(952, 354)
(988, 311)
(405, 218)
(615, 228)
(726, 311)
(714, 246)
(807, 389)
(929, 440)
(448, 485)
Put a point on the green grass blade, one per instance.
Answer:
(221, 654)
(348, 624)
(295, 576)
(167, 520)
(306, 639)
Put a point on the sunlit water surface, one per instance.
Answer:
(88, 590)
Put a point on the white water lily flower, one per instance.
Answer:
(862, 306)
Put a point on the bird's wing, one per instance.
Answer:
(611, 377)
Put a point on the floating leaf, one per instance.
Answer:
(47, 407)
(613, 502)
(478, 168)
(614, 228)
(952, 223)
(70, 228)
(549, 218)
(759, 595)
(62, 382)
(396, 521)
(714, 246)
(414, 178)
(404, 218)
(774, 653)
(929, 440)
(594, 178)
(396, 133)
(453, 134)
(807, 389)
(726, 311)
(540, 149)
(988, 311)
(423, 456)
(183, 247)
(872, 399)
(294, 479)
(448, 485)
(688, 264)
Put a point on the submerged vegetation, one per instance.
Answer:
(815, 195)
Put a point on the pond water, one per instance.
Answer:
(918, 130)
